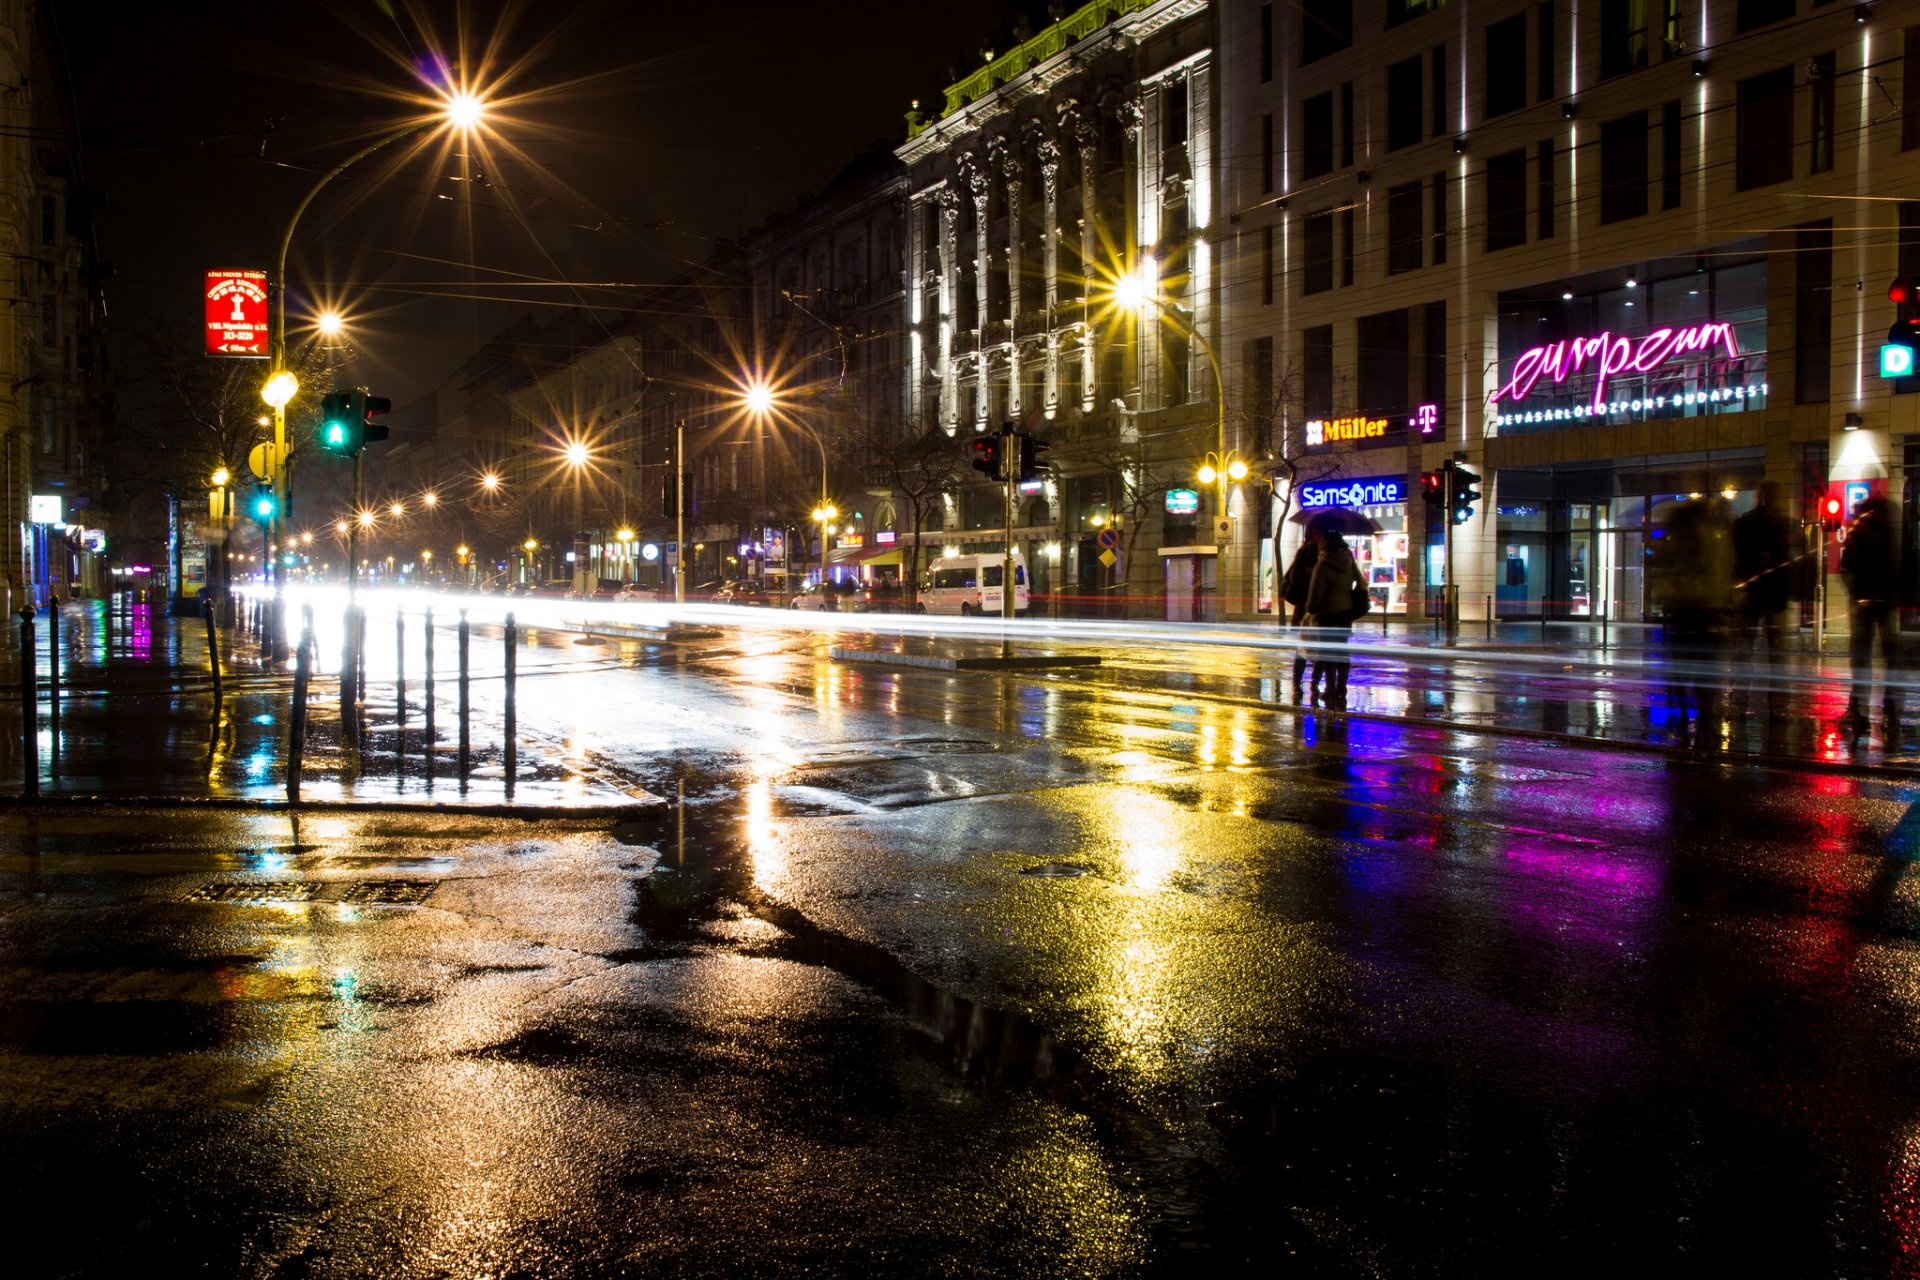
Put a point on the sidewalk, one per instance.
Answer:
(138, 720)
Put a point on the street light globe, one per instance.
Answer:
(576, 454)
(531, 545)
(366, 519)
(759, 397)
(463, 551)
(220, 477)
(280, 388)
(430, 498)
(464, 110)
(1208, 475)
(339, 526)
(1236, 470)
(396, 510)
(624, 534)
(1140, 288)
(490, 482)
(427, 556)
(329, 323)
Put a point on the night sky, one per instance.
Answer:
(643, 133)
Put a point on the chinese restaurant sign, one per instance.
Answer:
(237, 313)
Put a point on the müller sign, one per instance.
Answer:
(1608, 354)
(1367, 491)
(1323, 431)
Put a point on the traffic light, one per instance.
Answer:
(986, 457)
(668, 507)
(1433, 487)
(263, 506)
(346, 420)
(1830, 513)
(1464, 494)
(1028, 450)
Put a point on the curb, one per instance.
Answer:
(529, 812)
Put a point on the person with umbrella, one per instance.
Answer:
(1336, 595)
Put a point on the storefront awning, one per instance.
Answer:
(864, 555)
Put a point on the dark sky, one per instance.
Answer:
(643, 132)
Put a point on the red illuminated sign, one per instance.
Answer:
(237, 313)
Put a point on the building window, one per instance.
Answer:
(1546, 58)
(1437, 77)
(1316, 252)
(1326, 26)
(1316, 136)
(1765, 129)
(49, 222)
(1266, 266)
(1259, 359)
(1505, 71)
(1813, 314)
(1546, 195)
(1759, 13)
(1346, 245)
(1403, 104)
(1507, 200)
(1439, 218)
(1399, 11)
(1623, 168)
(1173, 115)
(1316, 371)
(1433, 381)
(1383, 360)
(1820, 150)
(1266, 153)
(1346, 125)
(1403, 228)
(1670, 143)
(1266, 44)
(1910, 92)
(1623, 35)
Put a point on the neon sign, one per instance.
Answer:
(1608, 354)
(1182, 502)
(1426, 419)
(1896, 361)
(1366, 491)
(1324, 431)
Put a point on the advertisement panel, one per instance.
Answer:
(237, 314)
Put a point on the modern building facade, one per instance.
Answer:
(1610, 259)
(1079, 164)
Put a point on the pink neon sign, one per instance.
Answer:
(1609, 354)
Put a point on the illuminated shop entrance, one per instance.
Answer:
(1574, 542)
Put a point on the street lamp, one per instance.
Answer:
(577, 455)
(624, 536)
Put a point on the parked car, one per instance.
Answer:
(743, 591)
(817, 595)
(879, 596)
(551, 588)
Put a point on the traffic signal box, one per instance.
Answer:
(1830, 510)
(986, 457)
(346, 421)
(264, 505)
(1029, 450)
(1433, 487)
(1465, 495)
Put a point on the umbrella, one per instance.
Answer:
(1342, 520)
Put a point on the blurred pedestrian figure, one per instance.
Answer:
(1694, 587)
(1867, 563)
(1762, 582)
(1336, 595)
(1293, 592)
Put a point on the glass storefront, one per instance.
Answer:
(1573, 542)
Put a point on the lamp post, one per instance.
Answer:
(222, 499)
(577, 457)
(624, 536)
(761, 401)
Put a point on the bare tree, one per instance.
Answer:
(921, 471)
(1144, 483)
(1274, 425)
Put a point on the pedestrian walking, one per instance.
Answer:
(1762, 587)
(1693, 577)
(1336, 595)
(1867, 562)
(1293, 593)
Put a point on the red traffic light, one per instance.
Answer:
(1833, 508)
(1902, 291)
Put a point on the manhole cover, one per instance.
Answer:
(948, 746)
(1057, 871)
(390, 892)
(256, 891)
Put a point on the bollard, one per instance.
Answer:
(53, 664)
(360, 666)
(207, 610)
(29, 706)
(513, 644)
(1604, 612)
(427, 702)
(297, 719)
(349, 696)
(464, 705)
(400, 679)
(1489, 617)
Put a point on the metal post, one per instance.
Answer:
(1450, 614)
(360, 665)
(680, 512)
(513, 643)
(349, 663)
(208, 608)
(1489, 617)
(400, 676)
(427, 702)
(53, 663)
(29, 706)
(464, 704)
(297, 718)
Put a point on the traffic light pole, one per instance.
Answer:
(1449, 610)
(680, 512)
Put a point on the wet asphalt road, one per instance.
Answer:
(924, 973)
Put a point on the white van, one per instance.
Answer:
(970, 585)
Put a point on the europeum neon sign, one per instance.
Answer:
(1608, 355)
